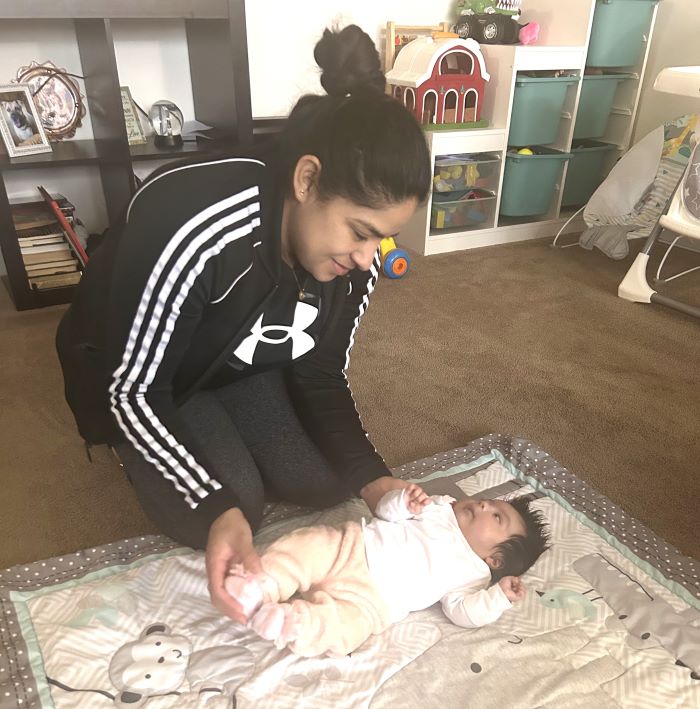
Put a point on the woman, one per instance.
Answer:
(209, 336)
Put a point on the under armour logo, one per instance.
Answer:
(302, 342)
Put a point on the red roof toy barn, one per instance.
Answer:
(441, 80)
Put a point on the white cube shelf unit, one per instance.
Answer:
(562, 46)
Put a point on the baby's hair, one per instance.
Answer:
(519, 553)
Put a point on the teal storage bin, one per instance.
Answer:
(585, 172)
(595, 104)
(529, 181)
(619, 31)
(537, 107)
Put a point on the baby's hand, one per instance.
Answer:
(513, 588)
(415, 498)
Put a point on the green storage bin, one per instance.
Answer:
(529, 181)
(595, 104)
(619, 31)
(585, 172)
(537, 107)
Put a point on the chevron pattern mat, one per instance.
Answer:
(611, 618)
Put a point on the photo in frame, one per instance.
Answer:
(134, 129)
(20, 125)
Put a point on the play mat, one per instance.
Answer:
(611, 619)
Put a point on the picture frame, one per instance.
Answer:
(134, 129)
(56, 96)
(20, 124)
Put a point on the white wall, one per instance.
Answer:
(676, 42)
(275, 85)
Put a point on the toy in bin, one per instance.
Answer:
(460, 209)
(454, 174)
(395, 261)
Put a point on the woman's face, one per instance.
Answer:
(330, 238)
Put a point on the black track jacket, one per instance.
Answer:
(168, 296)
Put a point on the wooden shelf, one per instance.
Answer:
(216, 37)
(69, 152)
(149, 151)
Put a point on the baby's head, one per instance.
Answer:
(508, 536)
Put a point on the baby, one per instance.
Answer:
(356, 580)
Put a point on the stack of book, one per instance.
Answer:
(50, 259)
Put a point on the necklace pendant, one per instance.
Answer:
(301, 295)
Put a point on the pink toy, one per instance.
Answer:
(529, 33)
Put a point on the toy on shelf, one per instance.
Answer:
(442, 81)
(395, 261)
(494, 22)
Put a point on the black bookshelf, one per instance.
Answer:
(216, 41)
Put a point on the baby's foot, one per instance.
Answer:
(275, 621)
(245, 589)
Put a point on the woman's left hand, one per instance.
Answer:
(372, 492)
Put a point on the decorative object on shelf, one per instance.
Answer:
(398, 36)
(442, 81)
(492, 22)
(166, 120)
(134, 129)
(20, 124)
(395, 261)
(57, 98)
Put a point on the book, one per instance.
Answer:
(71, 263)
(44, 254)
(48, 270)
(66, 225)
(48, 230)
(29, 241)
(32, 215)
(59, 280)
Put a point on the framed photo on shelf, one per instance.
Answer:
(20, 125)
(134, 129)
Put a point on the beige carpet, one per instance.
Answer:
(521, 339)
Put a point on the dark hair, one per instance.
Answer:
(371, 148)
(519, 553)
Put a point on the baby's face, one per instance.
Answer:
(487, 523)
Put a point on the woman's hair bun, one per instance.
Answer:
(350, 62)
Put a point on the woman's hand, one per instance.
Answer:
(230, 542)
(372, 492)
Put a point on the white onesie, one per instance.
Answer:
(417, 560)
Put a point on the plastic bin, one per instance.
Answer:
(585, 172)
(595, 104)
(529, 181)
(464, 171)
(537, 105)
(619, 32)
(468, 209)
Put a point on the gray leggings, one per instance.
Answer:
(257, 448)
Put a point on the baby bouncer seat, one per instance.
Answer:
(680, 214)
(654, 186)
